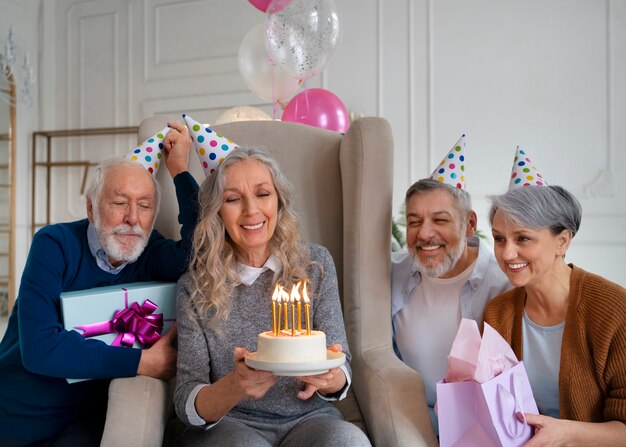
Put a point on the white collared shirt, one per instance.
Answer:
(249, 274)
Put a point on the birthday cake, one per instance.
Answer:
(288, 349)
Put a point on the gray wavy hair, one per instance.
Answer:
(461, 197)
(213, 263)
(538, 207)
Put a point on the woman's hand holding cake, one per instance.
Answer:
(327, 383)
(213, 402)
(250, 382)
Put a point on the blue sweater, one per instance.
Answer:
(37, 354)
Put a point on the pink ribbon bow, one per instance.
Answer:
(134, 322)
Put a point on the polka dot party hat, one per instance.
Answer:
(451, 170)
(150, 152)
(524, 172)
(211, 147)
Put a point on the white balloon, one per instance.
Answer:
(266, 80)
(242, 113)
(303, 36)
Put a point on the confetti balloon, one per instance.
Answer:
(303, 36)
(262, 77)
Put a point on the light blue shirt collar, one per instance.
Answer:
(102, 259)
(406, 277)
(249, 274)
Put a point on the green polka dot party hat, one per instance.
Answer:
(451, 170)
(150, 152)
(211, 147)
(524, 172)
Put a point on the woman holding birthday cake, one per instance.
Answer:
(246, 242)
(566, 324)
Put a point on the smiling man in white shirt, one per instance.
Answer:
(447, 272)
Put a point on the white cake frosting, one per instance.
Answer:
(285, 348)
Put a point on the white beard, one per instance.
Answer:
(113, 248)
(449, 261)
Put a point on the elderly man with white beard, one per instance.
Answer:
(447, 273)
(116, 244)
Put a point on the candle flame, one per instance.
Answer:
(305, 296)
(284, 295)
(276, 294)
(295, 294)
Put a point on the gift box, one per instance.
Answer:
(134, 315)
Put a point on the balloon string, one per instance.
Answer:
(274, 102)
(306, 103)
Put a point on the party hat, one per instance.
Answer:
(150, 152)
(524, 173)
(451, 170)
(211, 147)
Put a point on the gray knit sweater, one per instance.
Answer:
(205, 356)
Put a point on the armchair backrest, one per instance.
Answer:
(343, 194)
(342, 191)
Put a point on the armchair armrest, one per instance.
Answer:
(136, 413)
(392, 399)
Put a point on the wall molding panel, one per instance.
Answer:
(547, 76)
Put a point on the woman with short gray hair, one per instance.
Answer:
(568, 325)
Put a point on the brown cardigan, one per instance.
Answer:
(592, 377)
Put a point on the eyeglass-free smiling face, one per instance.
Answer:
(250, 210)
(437, 233)
(528, 256)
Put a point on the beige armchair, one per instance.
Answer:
(343, 192)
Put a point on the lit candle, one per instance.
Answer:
(307, 310)
(285, 297)
(295, 296)
(275, 317)
(279, 312)
(293, 316)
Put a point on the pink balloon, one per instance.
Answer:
(319, 108)
(277, 6)
(261, 5)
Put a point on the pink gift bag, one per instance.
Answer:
(484, 414)
(481, 409)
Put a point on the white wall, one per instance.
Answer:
(547, 75)
(24, 16)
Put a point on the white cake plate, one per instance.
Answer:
(333, 360)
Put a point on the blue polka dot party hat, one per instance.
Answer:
(451, 170)
(150, 152)
(524, 172)
(211, 147)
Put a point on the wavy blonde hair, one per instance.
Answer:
(213, 263)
